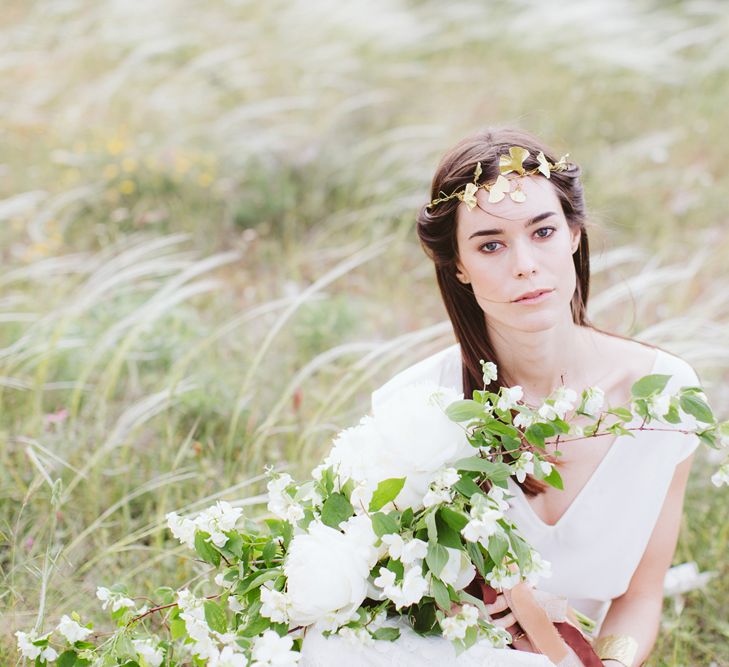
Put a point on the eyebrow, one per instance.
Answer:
(529, 223)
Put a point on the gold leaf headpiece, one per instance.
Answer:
(497, 189)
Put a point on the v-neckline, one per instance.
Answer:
(513, 486)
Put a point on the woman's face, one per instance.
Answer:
(507, 249)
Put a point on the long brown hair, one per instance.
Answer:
(437, 232)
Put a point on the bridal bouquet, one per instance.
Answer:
(404, 513)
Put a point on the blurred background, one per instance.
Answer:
(209, 258)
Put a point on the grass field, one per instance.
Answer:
(209, 258)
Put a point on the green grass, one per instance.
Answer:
(209, 258)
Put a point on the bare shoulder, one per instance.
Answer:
(634, 357)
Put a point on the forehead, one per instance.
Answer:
(508, 214)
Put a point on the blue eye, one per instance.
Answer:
(542, 229)
(551, 230)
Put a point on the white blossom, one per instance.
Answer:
(410, 591)
(721, 476)
(182, 529)
(29, 650)
(594, 400)
(490, 372)
(356, 636)
(436, 496)
(275, 605)
(193, 613)
(561, 400)
(539, 568)
(152, 654)
(229, 657)
(524, 419)
(280, 503)
(485, 513)
(272, 650)
(501, 577)
(524, 466)
(658, 405)
(509, 397)
(234, 604)
(215, 520)
(455, 627)
(407, 552)
(71, 630)
(117, 600)
(440, 487)
(496, 496)
(458, 570)
(577, 430)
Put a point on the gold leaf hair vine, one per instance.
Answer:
(497, 189)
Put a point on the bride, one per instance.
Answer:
(512, 264)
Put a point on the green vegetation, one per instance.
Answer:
(209, 257)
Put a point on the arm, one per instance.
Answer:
(638, 611)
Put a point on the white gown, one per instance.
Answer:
(605, 530)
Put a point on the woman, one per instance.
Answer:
(512, 263)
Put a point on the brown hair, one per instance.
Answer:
(437, 232)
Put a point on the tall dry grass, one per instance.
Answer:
(209, 258)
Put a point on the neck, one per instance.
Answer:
(541, 361)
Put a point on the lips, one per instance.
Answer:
(528, 295)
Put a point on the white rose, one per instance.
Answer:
(418, 438)
(327, 576)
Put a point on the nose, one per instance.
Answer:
(525, 264)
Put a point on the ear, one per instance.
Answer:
(576, 237)
(461, 275)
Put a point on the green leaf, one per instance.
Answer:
(336, 509)
(473, 550)
(461, 411)
(234, 545)
(386, 491)
(386, 634)
(66, 659)
(440, 593)
(554, 479)
(521, 550)
(178, 629)
(436, 558)
(622, 413)
(255, 627)
(406, 520)
(431, 527)
(215, 616)
(383, 524)
(205, 550)
(456, 520)
(648, 385)
(255, 581)
(498, 546)
(476, 464)
(537, 433)
(466, 486)
(424, 619)
(696, 407)
(269, 551)
(397, 567)
(447, 535)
